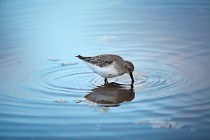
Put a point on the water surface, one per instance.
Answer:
(47, 93)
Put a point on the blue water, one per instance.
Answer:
(47, 93)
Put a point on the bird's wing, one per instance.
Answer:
(97, 60)
(101, 62)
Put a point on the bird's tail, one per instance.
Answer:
(82, 57)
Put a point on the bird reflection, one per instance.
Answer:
(110, 94)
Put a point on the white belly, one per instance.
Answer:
(106, 72)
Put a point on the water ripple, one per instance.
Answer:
(159, 79)
(41, 81)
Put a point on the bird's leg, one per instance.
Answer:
(105, 81)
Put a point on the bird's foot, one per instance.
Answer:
(105, 81)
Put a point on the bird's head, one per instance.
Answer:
(130, 69)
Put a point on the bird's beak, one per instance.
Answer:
(132, 80)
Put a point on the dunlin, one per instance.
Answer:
(109, 65)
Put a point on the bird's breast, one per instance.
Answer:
(108, 71)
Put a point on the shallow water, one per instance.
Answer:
(45, 92)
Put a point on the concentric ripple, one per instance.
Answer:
(160, 83)
(44, 88)
(62, 81)
(159, 79)
(72, 80)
